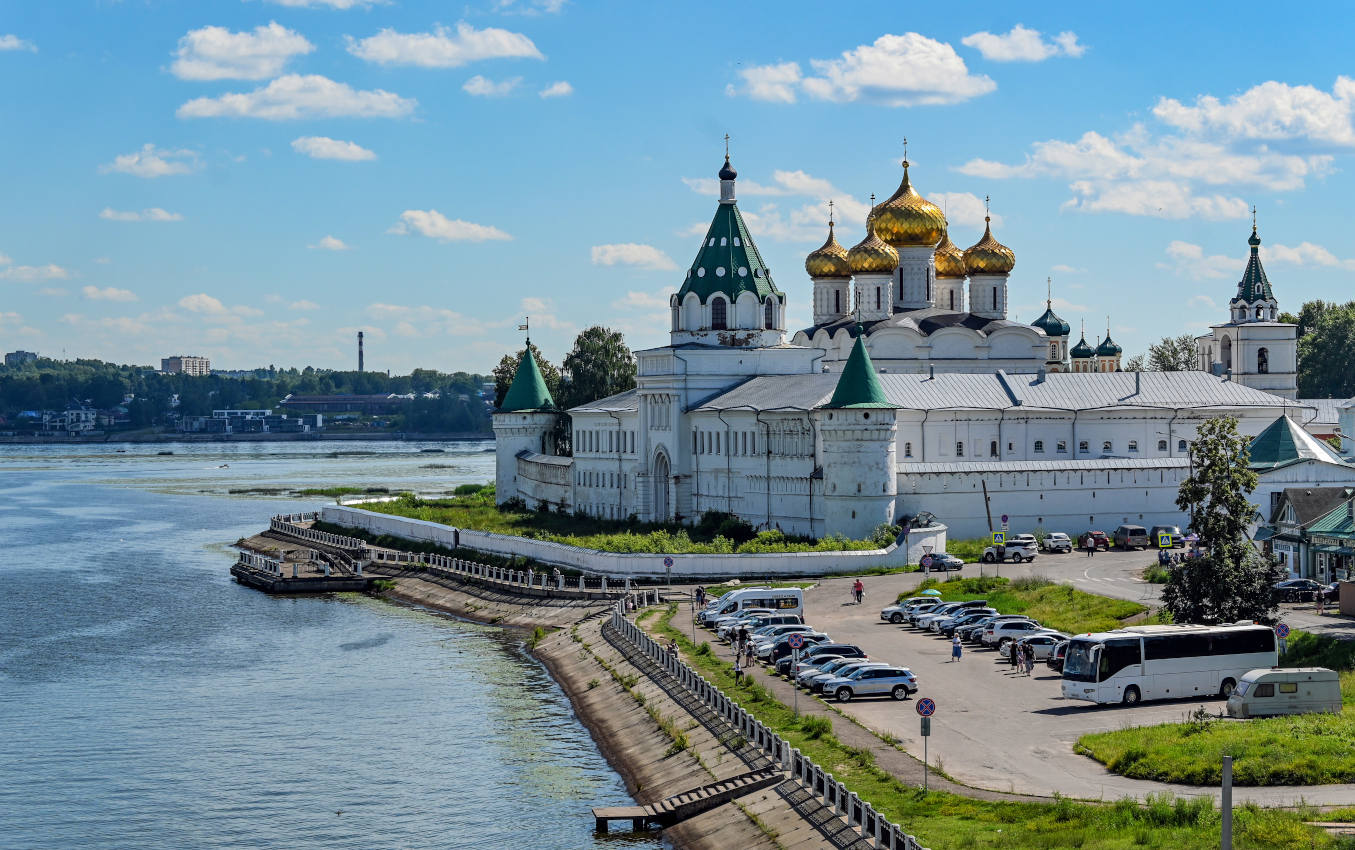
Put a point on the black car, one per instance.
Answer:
(846, 650)
(1178, 539)
(781, 649)
(1332, 592)
(1298, 590)
(963, 622)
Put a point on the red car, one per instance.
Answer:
(1096, 538)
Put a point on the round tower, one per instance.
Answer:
(1056, 359)
(1108, 353)
(1082, 355)
(524, 422)
(858, 431)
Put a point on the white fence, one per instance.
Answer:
(287, 524)
(815, 779)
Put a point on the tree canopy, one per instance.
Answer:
(599, 365)
(1326, 333)
(1231, 581)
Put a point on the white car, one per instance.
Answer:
(1044, 643)
(1005, 630)
(1015, 550)
(1056, 541)
(899, 612)
(815, 682)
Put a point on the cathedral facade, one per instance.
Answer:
(911, 393)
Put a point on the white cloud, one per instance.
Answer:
(963, 208)
(108, 293)
(26, 274)
(216, 53)
(897, 70)
(13, 324)
(1271, 110)
(13, 42)
(485, 87)
(206, 305)
(634, 300)
(303, 305)
(295, 96)
(435, 225)
(152, 162)
(1304, 254)
(529, 7)
(443, 48)
(330, 243)
(1154, 198)
(631, 254)
(1189, 260)
(424, 321)
(775, 83)
(323, 147)
(559, 88)
(1202, 301)
(1023, 44)
(148, 214)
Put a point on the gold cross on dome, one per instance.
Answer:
(905, 150)
(830, 210)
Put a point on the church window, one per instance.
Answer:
(752, 443)
(1039, 446)
(1083, 447)
(1105, 446)
(1011, 447)
(1262, 361)
(952, 299)
(1180, 445)
(718, 314)
(712, 242)
(995, 299)
(959, 449)
(1162, 445)
(767, 315)
(723, 241)
(675, 318)
(877, 298)
(696, 444)
(1061, 447)
(992, 449)
(701, 272)
(907, 449)
(737, 243)
(837, 301)
(1053, 351)
(1133, 445)
(719, 271)
(743, 271)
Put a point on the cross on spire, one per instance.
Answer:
(1049, 292)
(726, 146)
(830, 212)
(905, 150)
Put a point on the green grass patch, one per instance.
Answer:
(1156, 575)
(946, 821)
(1305, 649)
(1058, 606)
(344, 491)
(969, 550)
(722, 589)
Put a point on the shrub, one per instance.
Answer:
(815, 726)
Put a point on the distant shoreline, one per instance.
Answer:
(379, 436)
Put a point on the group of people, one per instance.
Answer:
(1167, 558)
(1022, 658)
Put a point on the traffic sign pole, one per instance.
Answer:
(795, 663)
(925, 708)
(1282, 632)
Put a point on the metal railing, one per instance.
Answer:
(815, 779)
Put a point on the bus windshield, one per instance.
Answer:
(1080, 662)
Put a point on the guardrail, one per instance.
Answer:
(272, 566)
(815, 779)
(287, 524)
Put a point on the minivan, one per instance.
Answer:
(782, 600)
(1132, 537)
(1295, 690)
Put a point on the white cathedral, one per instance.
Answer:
(911, 393)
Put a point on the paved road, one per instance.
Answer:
(999, 730)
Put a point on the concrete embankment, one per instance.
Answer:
(483, 604)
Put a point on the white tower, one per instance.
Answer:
(832, 277)
(859, 431)
(523, 423)
(988, 263)
(950, 276)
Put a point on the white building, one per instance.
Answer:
(818, 437)
(186, 364)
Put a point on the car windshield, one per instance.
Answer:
(1079, 664)
(1242, 688)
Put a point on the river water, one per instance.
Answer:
(146, 700)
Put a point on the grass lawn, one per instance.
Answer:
(1306, 749)
(944, 821)
(473, 507)
(722, 589)
(1057, 606)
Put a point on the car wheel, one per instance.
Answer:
(1226, 689)
(1016, 559)
(900, 692)
(1132, 695)
(988, 557)
(1030, 560)
(844, 695)
(896, 618)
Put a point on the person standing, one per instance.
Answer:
(1012, 658)
(1030, 659)
(955, 651)
(858, 591)
(738, 669)
(748, 655)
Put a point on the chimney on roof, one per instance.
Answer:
(1039, 375)
(931, 371)
(1138, 382)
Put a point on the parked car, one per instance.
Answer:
(1178, 539)
(1013, 550)
(1132, 537)
(1332, 593)
(1056, 541)
(826, 649)
(974, 633)
(1043, 643)
(1056, 656)
(1093, 539)
(947, 625)
(781, 649)
(946, 561)
(814, 683)
(897, 612)
(717, 624)
(1298, 590)
(830, 667)
(923, 621)
(1007, 630)
(773, 633)
(897, 682)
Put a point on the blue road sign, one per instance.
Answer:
(926, 706)
(926, 561)
(668, 562)
(796, 641)
(1282, 630)
(999, 537)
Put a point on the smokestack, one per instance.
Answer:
(360, 351)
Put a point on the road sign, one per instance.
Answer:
(1282, 630)
(795, 641)
(926, 562)
(999, 537)
(1164, 540)
(668, 562)
(926, 706)
(1004, 519)
(926, 727)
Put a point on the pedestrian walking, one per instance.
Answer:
(738, 670)
(1089, 543)
(858, 591)
(701, 597)
(1012, 657)
(1030, 659)
(1321, 604)
(955, 651)
(748, 655)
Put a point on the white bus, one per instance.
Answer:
(782, 600)
(1164, 662)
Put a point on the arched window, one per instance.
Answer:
(959, 449)
(767, 315)
(1162, 445)
(718, 314)
(992, 449)
(1061, 447)
(994, 299)
(675, 317)
(1259, 314)
(1082, 446)
(1053, 351)
(907, 449)
(1133, 445)
(1180, 445)
(1226, 352)
(1262, 361)
(1039, 446)
(1105, 447)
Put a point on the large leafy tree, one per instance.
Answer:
(1326, 350)
(1172, 354)
(599, 365)
(508, 367)
(1231, 581)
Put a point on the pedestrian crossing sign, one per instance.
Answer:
(999, 537)
(1164, 540)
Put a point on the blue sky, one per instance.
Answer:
(256, 180)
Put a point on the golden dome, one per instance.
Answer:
(949, 258)
(873, 255)
(989, 256)
(829, 260)
(907, 218)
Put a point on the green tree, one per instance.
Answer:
(508, 367)
(1172, 354)
(1232, 581)
(1326, 350)
(599, 365)
(1137, 363)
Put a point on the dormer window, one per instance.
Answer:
(718, 319)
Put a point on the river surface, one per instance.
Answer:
(147, 701)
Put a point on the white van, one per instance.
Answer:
(782, 600)
(1294, 690)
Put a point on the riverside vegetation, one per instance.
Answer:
(472, 506)
(945, 821)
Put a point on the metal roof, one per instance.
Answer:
(1328, 410)
(1284, 442)
(619, 403)
(996, 467)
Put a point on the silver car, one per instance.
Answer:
(814, 683)
(897, 682)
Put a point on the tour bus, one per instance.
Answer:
(782, 600)
(1165, 662)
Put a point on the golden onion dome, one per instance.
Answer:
(907, 218)
(949, 258)
(873, 255)
(989, 256)
(828, 260)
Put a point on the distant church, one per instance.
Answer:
(911, 391)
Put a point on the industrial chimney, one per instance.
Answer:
(360, 351)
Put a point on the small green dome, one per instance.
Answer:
(1051, 324)
(1082, 350)
(1108, 348)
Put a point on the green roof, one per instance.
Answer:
(1108, 347)
(1284, 442)
(1254, 286)
(1082, 349)
(859, 386)
(728, 261)
(1337, 522)
(1050, 323)
(528, 390)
